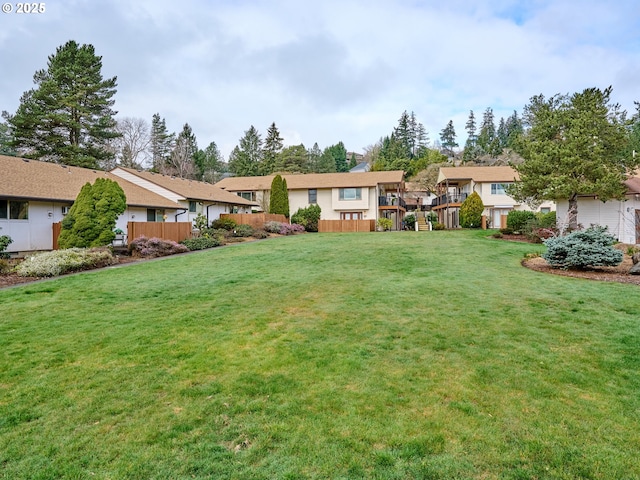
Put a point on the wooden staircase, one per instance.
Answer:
(423, 226)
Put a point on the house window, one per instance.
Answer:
(313, 195)
(350, 194)
(351, 216)
(251, 196)
(155, 215)
(14, 210)
(545, 210)
(192, 206)
(498, 188)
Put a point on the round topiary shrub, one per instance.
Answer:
(224, 224)
(471, 211)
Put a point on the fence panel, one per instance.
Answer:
(57, 227)
(334, 226)
(256, 220)
(177, 231)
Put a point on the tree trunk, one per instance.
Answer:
(572, 212)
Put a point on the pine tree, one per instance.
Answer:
(161, 143)
(487, 139)
(5, 139)
(68, 117)
(514, 129)
(209, 164)
(470, 147)
(293, 159)
(313, 158)
(246, 159)
(181, 162)
(272, 147)
(448, 138)
(339, 154)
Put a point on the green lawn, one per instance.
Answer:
(385, 355)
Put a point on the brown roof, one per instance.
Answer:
(633, 184)
(191, 189)
(313, 180)
(32, 179)
(478, 174)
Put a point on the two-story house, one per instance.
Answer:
(455, 184)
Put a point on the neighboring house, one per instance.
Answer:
(195, 197)
(418, 197)
(361, 167)
(621, 217)
(34, 195)
(455, 184)
(341, 196)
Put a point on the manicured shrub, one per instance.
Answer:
(224, 224)
(200, 243)
(410, 221)
(506, 231)
(4, 266)
(58, 262)
(585, 248)
(154, 247)
(5, 241)
(438, 226)
(260, 234)
(385, 224)
(279, 197)
(290, 229)
(471, 211)
(243, 230)
(307, 217)
(92, 217)
(517, 219)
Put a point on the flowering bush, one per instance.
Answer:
(283, 228)
(58, 262)
(155, 247)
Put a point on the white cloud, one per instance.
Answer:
(331, 71)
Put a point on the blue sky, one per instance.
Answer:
(329, 71)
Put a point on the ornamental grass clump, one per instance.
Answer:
(592, 247)
(58, 262)
(155, 247)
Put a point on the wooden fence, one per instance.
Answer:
(57, 227)
(256, 220)
(177, 231)
(334, 226)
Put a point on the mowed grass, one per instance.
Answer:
(384, 355)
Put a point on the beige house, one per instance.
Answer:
(34, 195)
(193, 196)
(455, 184)
(341, 196)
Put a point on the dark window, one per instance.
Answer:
(151, 215)
(18, 210)
(3, 208)
(313, 195)
(192, 206)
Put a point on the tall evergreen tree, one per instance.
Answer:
(161, 143)
(326, 163)
(339, 154)
(293, 159)
(182, 161)
(5, 139)
(68, 117)
(470, 147)
(404, 134)
(246, 158)
(209, 164)
(272, 147)
(448, 138)
(514, 129)
(313, 158)
(487, 139)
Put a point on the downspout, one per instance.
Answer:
(207, 207)
(184, 210)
